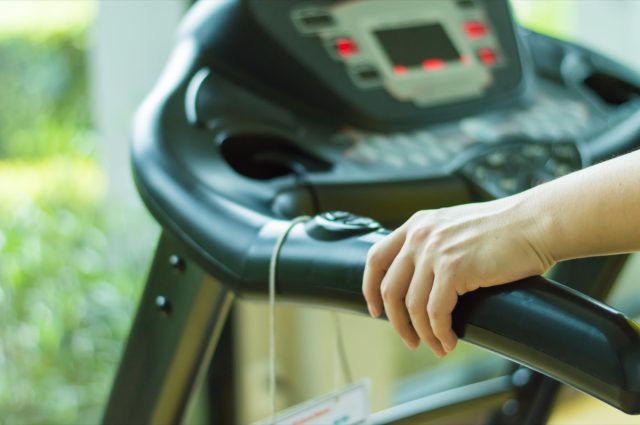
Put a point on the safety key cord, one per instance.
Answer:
(272, 311)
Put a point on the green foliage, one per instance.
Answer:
(71, 270)
(66, 300)
(44, 106)
(551, 17)
(42, 18)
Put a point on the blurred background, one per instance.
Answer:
(75, 242)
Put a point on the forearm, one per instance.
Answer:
(416, 274)
(595, 211)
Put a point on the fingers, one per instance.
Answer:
(394, 289)
(442, 301)
(416, 303)
(379, 259)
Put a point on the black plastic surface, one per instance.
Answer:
(257, 42)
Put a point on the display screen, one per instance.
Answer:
(411, 46)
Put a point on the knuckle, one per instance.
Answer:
(437, 238)
(387, 292)
(374, 254)
(452, 260)
(405, 254)
(434, 312)
(418, 234)
(436, 332)
(413, 306)
(417, 215)
(451, 266)
(436, 327)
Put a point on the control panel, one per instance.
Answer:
(497, 146)
(439, 52)
(379, 64)
(405, 96)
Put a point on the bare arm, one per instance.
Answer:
(595, 211)
(417, 273)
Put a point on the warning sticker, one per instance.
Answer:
(348, 406)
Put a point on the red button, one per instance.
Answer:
(488, 56)
(400, 69)
(346, 47)
(475, 29)
(433, 64)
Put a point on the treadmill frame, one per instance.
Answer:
(183, 312)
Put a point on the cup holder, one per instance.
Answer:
(265, 157)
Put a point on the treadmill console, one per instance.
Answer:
(439, 53)
(373, 92)
(371, 63)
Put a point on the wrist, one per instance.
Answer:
(536, 218)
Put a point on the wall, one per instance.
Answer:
(132, 40)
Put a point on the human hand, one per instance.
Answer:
(417, 272)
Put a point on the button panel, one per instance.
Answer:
(550, 119)
(458, 61)
(519, 166)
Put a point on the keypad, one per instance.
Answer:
(519, 166)
(550, 119)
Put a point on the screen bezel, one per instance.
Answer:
(337, 99)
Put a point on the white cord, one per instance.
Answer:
(342, 368)
(272, 310)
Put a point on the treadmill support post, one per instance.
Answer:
(180, 317)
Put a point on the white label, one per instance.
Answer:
(349, 406)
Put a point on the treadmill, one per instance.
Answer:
(359, 113)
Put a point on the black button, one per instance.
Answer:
(368, 74)
(315, 21)
(335, 225)
(337, 215)
(361, 222)
(365, 76)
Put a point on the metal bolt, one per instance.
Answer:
(163, 305)
(177, 263)
(510, 407)
(521, 377)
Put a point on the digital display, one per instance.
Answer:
(412, 46)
